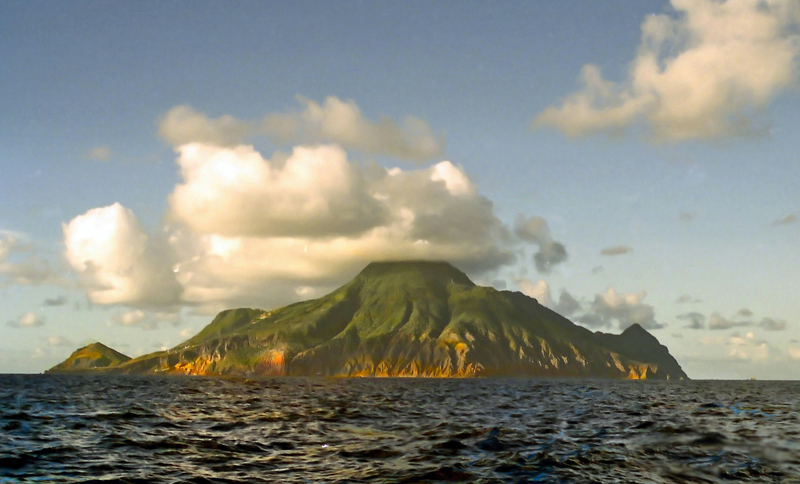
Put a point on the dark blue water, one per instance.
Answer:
(59, 428)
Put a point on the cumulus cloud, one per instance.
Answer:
(145, 319)
(10, 243)
(616, 250)
(58, 341)
(539, 290)
(333, 121)
(234, 192)
(625, 309)
(99, 153)
(245, 231)
(748, 348)
(787, 220)
(337, 121)
(130, 318)
(706, 71)
(696, 320)
(21, 264)
(535, 230)
(183, 125)
(432, 213)
(716, 321)
(32, 271)
(117, 262)
(27, 320)
(771, 324)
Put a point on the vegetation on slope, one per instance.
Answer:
(411, 318)
(90, 357)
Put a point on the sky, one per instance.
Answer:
(623, 162)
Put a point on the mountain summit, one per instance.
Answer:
(411, 318)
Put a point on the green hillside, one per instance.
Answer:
(411, 318)
(91, 357)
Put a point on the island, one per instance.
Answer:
(399, 319)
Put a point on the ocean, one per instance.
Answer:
(148, 429)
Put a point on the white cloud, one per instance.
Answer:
(244, 231)
(118, 263)
(9, 243)
(337, 121)
(130, 318)
(625, 309)
(28, 320)
(183, 125)
(539, 291)
(160, 346)
(333, 121)
(58, 341)
(305, 291)
(234, 192)
(99, 153)
(716, 321)
(535, 230)
(30, 270)
(145, 319)
(748, 348)
(704, 72)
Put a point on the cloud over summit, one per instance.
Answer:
(245, 230)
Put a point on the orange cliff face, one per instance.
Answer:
(274, 363)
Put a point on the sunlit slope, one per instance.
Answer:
(411, 319)
(92, 357)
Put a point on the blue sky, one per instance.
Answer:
(676, 152)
